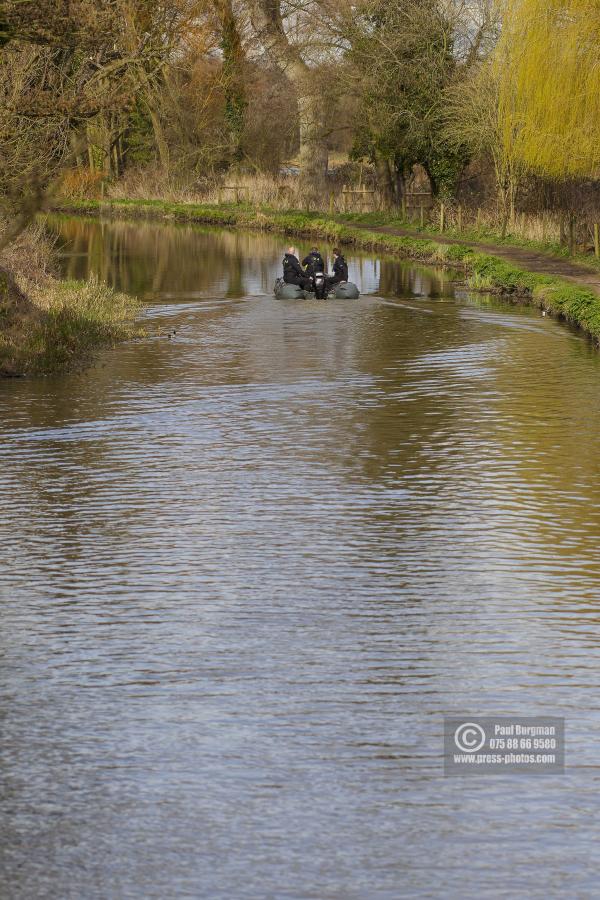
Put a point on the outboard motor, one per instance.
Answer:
(320, 284)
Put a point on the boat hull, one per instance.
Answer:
(346, 290)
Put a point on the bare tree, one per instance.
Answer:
(270, 30)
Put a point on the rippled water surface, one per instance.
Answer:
(247, 569)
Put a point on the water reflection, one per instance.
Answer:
(184, 261)
(248, 569)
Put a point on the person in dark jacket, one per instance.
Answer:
(293, 273)
(340, 269)
(313, 263)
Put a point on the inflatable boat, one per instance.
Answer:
(345, 290)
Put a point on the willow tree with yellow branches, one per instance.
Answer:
(548, 62)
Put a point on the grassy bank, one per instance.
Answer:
(59, 326)
(484, 234)
(49, 326)
(530, 231)
(484, 272)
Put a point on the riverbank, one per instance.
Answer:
(50, 326)
(481, 236)
(570, 298)
(59, 326)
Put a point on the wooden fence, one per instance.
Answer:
(418, 207)
(363, 199)
(237, 189)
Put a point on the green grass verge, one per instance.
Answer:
(293, 222)
(58, 326)
(574, 304)
(479, 235)
(485, 272)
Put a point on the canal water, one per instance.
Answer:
(251, 561)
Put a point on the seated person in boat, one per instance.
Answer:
(293, 273)
(314, 262)
(340, 269)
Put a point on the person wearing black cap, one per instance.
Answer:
(313, 263)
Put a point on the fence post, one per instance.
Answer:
(404, 207)
(460, 218)
(597, 240)
(422, 215)
(442, 218)
(331, 203)
(571, 235)
(345, 199)
(478, 220)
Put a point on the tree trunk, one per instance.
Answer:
(385, 181)
(117, 157)
(268, 24)
(159, 136)
(433, 182)
(233, 73)
(503, 192)
(400, 187)
(313, 151)
(78, 147)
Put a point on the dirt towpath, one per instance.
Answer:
(532, 260)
